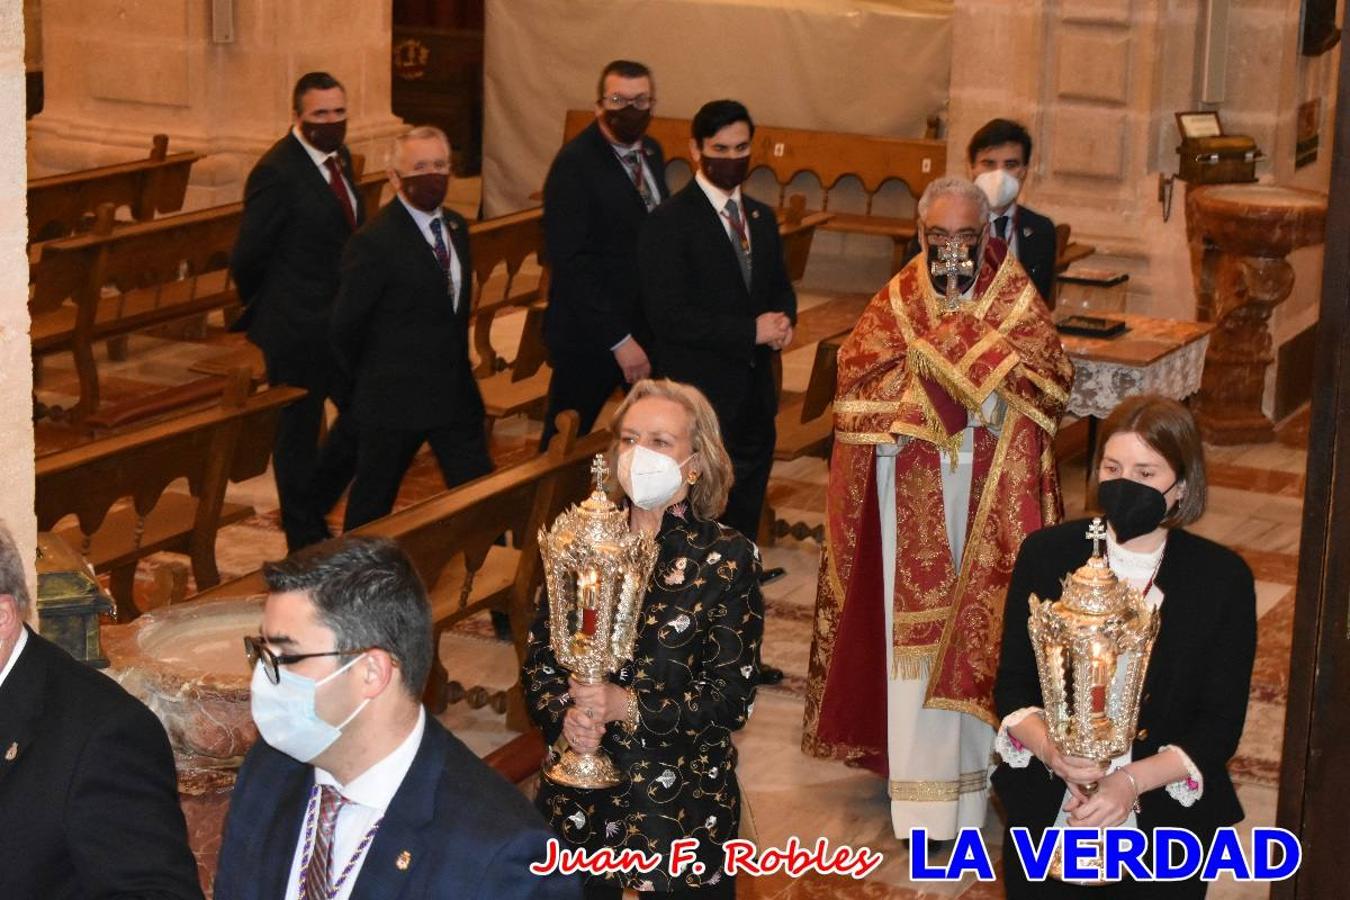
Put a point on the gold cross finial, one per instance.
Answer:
(600, 472)
(1096, 533)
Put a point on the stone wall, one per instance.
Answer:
(16, 369)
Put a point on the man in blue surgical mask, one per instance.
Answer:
(353, 791)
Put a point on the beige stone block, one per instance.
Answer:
(168, 83)
(1115, 12)
(1086, 141)
(1093, 65)
(144, 19)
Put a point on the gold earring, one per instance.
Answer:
(693, 478)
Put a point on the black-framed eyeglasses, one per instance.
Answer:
(936, 237)
(255, 648)
(619, 101)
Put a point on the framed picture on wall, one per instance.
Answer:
(1200, 123)
(1317, 27)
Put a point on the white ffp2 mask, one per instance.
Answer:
(649, 478)
(1000, 187)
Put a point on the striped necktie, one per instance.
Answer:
(319, 875)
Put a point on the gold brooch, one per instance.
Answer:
(12, 753)
(404, 860)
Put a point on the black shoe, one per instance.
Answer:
(773, 574)
(770, 675)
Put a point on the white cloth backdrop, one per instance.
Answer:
(863, 66)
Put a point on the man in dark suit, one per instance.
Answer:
(599, 190)
(88, 790)
(353, 790)
(716, 291)
(999, 155)
(300, 206)
(401, 331)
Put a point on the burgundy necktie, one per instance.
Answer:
(319, 875)
(339, 187)
(634, 160)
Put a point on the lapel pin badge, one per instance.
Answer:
(404, 860)
(12, 753)
(1026, 232)
(754, 214)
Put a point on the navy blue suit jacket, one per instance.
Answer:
(465, 830)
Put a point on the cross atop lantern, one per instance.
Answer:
(1092, 649)
(596, 569)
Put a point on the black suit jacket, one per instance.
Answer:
(701, 313)
(592, 214)
(1035, 249)
(285, 260)
(397, 333)
(461, 829)
(90, 796)
(1195, 692)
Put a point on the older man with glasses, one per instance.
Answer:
(353, 790)
(599, 190)
(950, 389)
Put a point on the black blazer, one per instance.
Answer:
(455, 828)
(285, 260)
(397, 333)
(697, 303)
(1195, 692)
(592, 213)
(1035, 250)
(88, 790)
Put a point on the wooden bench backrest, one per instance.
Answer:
(232, 442)
(151, 186)
(829, 156)
(499, 248)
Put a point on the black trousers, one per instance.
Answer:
(295, 451)
(749, 434)
(583, 382)
(384, 454)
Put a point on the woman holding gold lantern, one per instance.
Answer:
(1151, 483)
(666, 718)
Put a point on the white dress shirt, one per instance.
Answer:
(621, 150)
(321, 162)
(424, 220)
(14, 654)
(368, 796)
(718, 198)
(1011, 237)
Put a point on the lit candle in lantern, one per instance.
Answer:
(588, 595)
(1101, 674)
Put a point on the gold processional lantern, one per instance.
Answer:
(1092, 649)
(597, 570)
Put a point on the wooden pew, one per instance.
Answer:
(830, 157)
(454, 541)
(209, 448)
(115, 282)
(58, 204)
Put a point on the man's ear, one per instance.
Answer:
(9, 611)
(377, 671)
(693, 151)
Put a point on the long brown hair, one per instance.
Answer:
(1169, 429)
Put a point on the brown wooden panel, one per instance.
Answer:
(1294, 372)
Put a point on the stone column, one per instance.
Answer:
(118, 71)
(16, 365)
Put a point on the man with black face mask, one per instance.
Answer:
(300, 206)
(950, 389)
(401, 332)
(600, 188)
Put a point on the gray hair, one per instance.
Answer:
(420, 133)
(953, 186)
(367, 592)
(12, 572)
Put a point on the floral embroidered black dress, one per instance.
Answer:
(695, 667)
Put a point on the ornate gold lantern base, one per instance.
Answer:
(583, 770)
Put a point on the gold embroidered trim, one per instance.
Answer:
(937, 791)
(898, 307)
(862, 407)
(991, 293)
(911, 663)
(1048, 387)
(864, 437)
(1019, 309)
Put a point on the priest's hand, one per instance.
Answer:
(1108, 807)
(606, 702)
(632, 359)
(772, 327)
(582, 732)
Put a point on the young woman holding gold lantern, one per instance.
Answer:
(666, 718)
(1151, 483)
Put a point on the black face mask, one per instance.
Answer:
(326, 137)
(727, 172)
(425, 191)
(627, 124)
(1132, 508)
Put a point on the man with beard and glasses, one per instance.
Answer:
(401, 332)
(600, 188)
(950, 389)
(300, 207)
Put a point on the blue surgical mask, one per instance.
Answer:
(286, 716)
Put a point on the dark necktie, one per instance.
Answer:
(443, 258)
(634, 160)
(740, 241)
(1001, 228)
(339, 188)
(319, 875)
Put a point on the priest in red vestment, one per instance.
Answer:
(950, 389)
